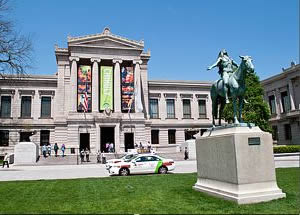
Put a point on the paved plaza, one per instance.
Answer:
(16, 173)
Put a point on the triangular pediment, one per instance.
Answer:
(105, 40)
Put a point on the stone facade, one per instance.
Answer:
(283, 97)
(66, 125)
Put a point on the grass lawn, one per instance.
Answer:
(140, 194)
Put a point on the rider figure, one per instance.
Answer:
(225, 64)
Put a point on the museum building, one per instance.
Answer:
(101, 94)
(282, 93)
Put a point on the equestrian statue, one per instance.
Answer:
(231, 85)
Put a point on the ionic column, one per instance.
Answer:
(117, 84)
(95, 84)
(137, 84)
(279, 102)
(73, 94)
(291, 92)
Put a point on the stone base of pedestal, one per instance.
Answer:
(26, 153)
(236, 163)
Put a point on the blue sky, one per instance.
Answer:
(184, 36)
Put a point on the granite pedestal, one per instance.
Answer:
(236, 163)
(26, 153)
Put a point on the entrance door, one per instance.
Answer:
(129, 141)
(107, 135)
(84, 141)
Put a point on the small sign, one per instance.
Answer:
(253, 141)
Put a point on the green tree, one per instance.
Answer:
(256, 110)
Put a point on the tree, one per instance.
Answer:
(256, 110)
(15, 49)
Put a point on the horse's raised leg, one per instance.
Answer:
(222, 105)
(234, 111)
(214, 110)
(241, 104)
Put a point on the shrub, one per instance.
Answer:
(286, 149)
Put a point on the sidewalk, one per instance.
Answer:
(16, 173)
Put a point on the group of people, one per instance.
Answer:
(142, 149)
(109, 147)
(46, 149)
(85, 153)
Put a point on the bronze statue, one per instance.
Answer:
(235, 87)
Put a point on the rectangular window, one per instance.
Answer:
(154, 108)
(186, 108)
(288, 131)
(154, 136)
(4, 138)
(5, 106)
(44, 137)
(172, 136)
(46, 107)
(26, 107)
(170, 108)
(275, 132)
(286, 105)
(272, 104)
(202, 108)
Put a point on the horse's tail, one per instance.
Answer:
(214, 99)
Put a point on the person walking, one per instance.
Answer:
(98, 156)
(87, 155)
(149, 146)
(5, 160)
(44, 150)
(82, 155)
(55, 149)
(186, 153)
(111, 147)
(63, 148)
(49, 148)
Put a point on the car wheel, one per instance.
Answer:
(124, 172)
(162, 170)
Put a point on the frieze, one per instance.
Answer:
(7, 91)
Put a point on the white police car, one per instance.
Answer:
(123, 158)
(141, 164)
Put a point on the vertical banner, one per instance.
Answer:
(106, 88)
(127, 89)
(84, 87)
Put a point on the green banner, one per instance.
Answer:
(106, 88)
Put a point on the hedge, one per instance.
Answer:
(286, 149)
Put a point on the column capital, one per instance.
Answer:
(72, 58)
(117, 60)
(98, 60)
(138, 61)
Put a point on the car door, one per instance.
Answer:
(152, 163)
(139, 165)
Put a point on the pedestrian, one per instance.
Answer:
(55, 149)
(149, 146)
(107, 147)
(82, 155)
(63, 148)
(87, 155)
(44, 150)
(136, 145)
(5, 160)
(49, 148)
(98, 156)
(186, 153)
(111, 147)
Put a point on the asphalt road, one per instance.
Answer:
(15, 173)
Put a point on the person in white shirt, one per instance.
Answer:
(5, 161)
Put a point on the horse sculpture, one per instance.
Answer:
(236, 86)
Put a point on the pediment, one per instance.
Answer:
(106, 41)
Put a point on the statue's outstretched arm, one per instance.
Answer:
(214, 65)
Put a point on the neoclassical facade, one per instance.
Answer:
(101, 94)
(282, 92)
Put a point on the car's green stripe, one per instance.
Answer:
(159, 164)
